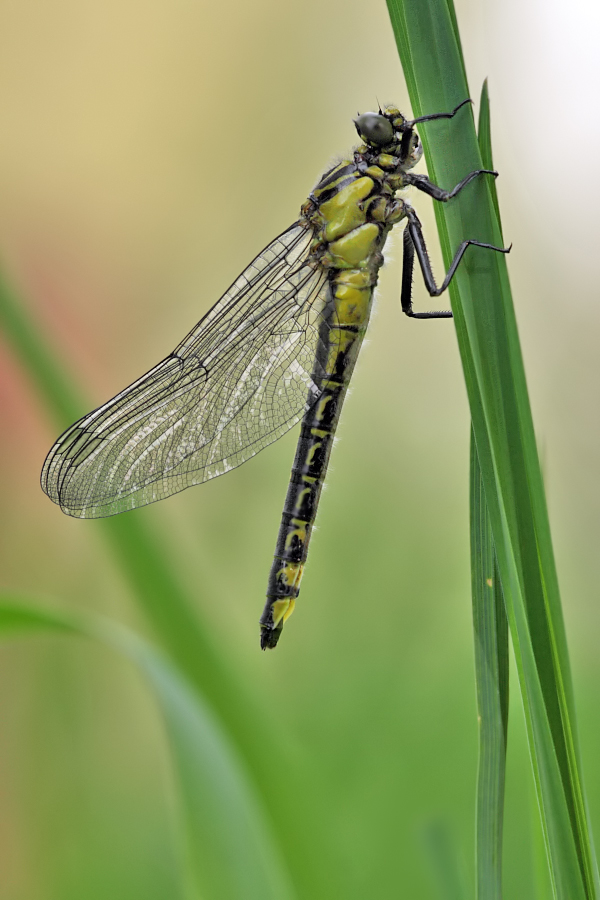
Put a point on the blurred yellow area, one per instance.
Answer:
(148, 152)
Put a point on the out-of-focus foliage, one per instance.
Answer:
(227, 850)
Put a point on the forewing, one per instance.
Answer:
(241, 378)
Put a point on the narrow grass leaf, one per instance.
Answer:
(491, 647)
(503, 428)
(490, 628)
(32, 350)
(484, 139)
(231, 853)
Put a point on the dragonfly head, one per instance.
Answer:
(375, 129)
(388, 129)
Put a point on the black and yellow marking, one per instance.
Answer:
(348, 212)
(338, 177)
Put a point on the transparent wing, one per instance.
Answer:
(241, 378)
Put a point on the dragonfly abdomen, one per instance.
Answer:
(308, 474)
(353, 260)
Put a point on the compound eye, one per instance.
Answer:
(374, 128)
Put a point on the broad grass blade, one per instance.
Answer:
(502, 424)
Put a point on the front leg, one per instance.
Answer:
(432, 116)
(422, 183)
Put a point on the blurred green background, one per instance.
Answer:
(148, 152)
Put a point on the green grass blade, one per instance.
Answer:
(490, 627)
(140, 555)
(484, 137)
(62, 400)
(503, 428)
(455, 29)
(491, 647)
(231, 853)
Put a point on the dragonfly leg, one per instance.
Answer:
(429, 118)
(408, 262)
(414, 241)
(408, 127)
(422, 183)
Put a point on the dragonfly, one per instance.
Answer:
(278, 348)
